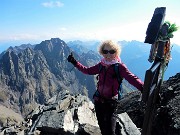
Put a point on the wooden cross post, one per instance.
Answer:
(153, 76)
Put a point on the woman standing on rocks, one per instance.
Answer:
(107, 87)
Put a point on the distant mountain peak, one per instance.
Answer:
(51, 45)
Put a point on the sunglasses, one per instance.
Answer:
(108, 51)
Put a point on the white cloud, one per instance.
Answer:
(52, 4)
(132, 31)
(62, 29)
(128, 32)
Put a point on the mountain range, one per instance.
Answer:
(32, 74)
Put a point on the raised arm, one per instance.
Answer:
(86, 70)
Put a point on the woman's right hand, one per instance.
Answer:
(72, 59)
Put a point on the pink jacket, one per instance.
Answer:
(108, 84)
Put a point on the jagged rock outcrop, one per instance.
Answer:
(167, 121)
(64, 114)
(67, 114)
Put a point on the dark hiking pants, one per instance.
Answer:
(105, 115)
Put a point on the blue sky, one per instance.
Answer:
(31, 21)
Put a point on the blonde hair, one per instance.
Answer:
(112, 45)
